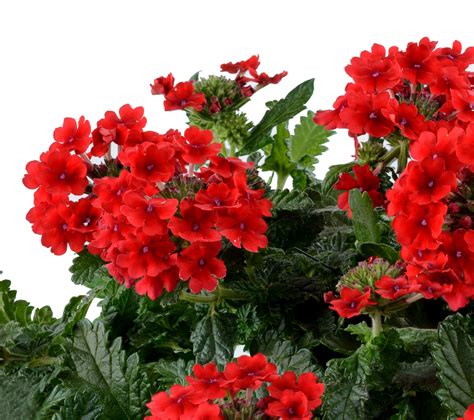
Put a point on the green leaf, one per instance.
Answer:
(214, 338)
(369, 249)
(83, 405)
(286, 355)
(453, 354)
(89, 270)
(118, 381)
(74, 311)
(361, 330)
(364, 218)
(278, 160)
(20, 310)
(169, 372)
(286, 200)
(417, 341)
(333, 174)
(308, 140)
(281, 111)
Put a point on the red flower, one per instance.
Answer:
(145, 255)
(469, 414)
(195, 224)
(180, 401)
(241, 66)
(249, 372)
(73, 136)
(390, 288)
(455, 56)
(182, 96)
(153, 286)
(208, 381)
(441, 145)
(447, 79)
(199, 147)
(307, 383)
(364, 180)
(374, 71)
(291, 405)
(351, 302)
(148, 214)
(227, 167)
(58, 172)
(465, 146)
(111, 229)
(162, 85)
(418, 61)
(460, 256)
(363, 114)
(216, 196)
(150, 162)
(109, 191)
(429, 181)
(406, 117)
(199, 263)
(463, 103)
(205, 411)
(244, 228)
(421, 226)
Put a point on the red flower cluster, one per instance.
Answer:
(400, 91)
(290, 397)
(179, 96)
(247, 76)
(428, 202)
(145, 211)
(424, 94)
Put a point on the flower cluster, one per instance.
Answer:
(420, 102)
(218, 93)
(374, 282)
(211, 394)
(428, 202)
(145, 208)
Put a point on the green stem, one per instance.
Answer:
(229, 294)
(231, 150)
(403, 157)
(189, 297)
(376, 324)
(281, 179)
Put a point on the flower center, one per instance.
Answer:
(195, 227)
(202, 262)
(291, 411)
(149, 208)
(430, 184)
(115, 228)
(417, 66)
(87, 221)
(217, 202)
(471, 106)
(375, 74)
(396, 288)
(352, 305)
(424, 222)
(145, 249)
(242, 226)
(451, 57)
(435, 156)
(373, 116)
(458, 254)
(64, 226)
(403, 121)
(62, 176)
(150, 167)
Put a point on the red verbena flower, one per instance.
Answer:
(208, 381)
(199, 147)
(162, 85)
(291, 405)
(351, 302)
(73, 136)
(199, 264)
(183, 96)
(393, 288)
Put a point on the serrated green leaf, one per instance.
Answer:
(169, 372)
(214, 338)
(453, 354)
(119, 381)
(332, 175)
(278, 160)
(361, 330)
(286, 200)
(89, 270)
(364, 218)
(308, 140)
(417, 341)
(19, 310)
(369, 249)
(286, 355)
(281, 111)
(82, 405)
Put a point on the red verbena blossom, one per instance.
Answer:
(199, 264)
(73, 136)
(162, 85)
(183, 96)
(351, 302)
(364, 180)
(393, 288)
(290, 405)
(199, 147)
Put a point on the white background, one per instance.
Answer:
(71, 58)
